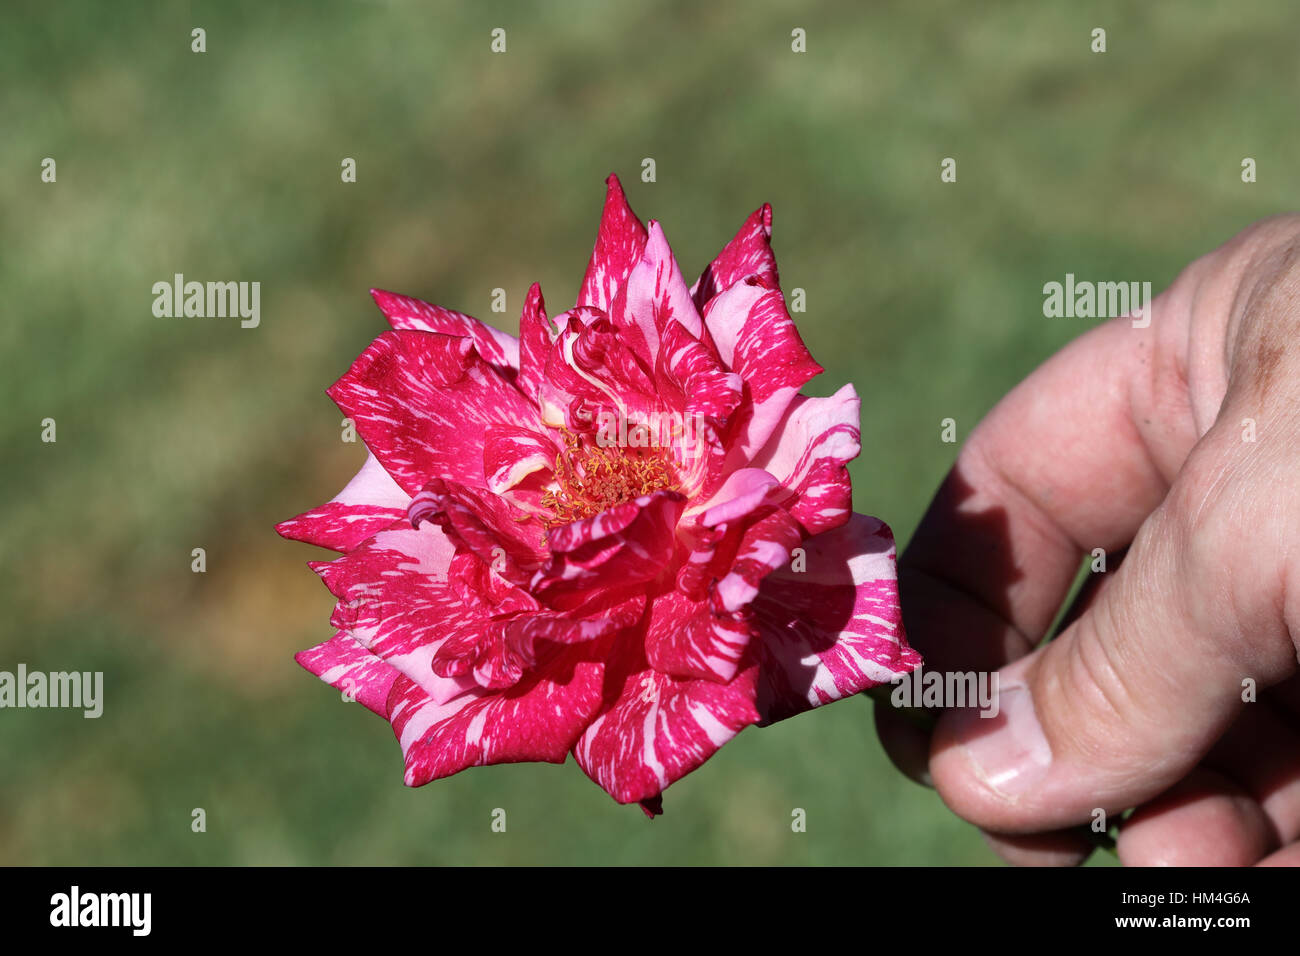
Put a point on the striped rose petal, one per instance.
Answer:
(483, 523)
(808, 453)
(344, 663)
(835, 628)
(756, 337)
(396, 599)
(371, 502)
(707, 634)
(499, 348)
(624, 546)
(422, 402)
(661, 729)
(590, 370)
(512, 453)
(693, 381)
(619, 244)
(748, 253)
(655, 294)
(538, 720)
(535, 336)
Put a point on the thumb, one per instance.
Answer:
(1131, 696)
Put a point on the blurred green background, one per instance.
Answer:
(478, 170)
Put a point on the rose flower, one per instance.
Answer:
(625, 535)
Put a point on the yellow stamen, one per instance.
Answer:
(591, 479)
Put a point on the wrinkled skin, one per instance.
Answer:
(513, 588)
(1136, 439)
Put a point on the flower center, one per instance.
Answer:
(592, 479)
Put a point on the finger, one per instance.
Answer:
(1287, 856)
(1040, 477)
(1261, 754)
(1137, 690)
(1058, 848)
(1067, 462)
(1204, 820)
(906, 744)
(1076, 456)
(1069, 847)
(1057, 465)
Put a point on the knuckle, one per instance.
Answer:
(1204, 511)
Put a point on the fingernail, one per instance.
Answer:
(1008, 752)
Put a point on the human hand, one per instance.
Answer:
(1176, 448)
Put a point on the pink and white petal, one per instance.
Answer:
(654, 296)
(619, 549)
(597, 620)
(660, 729)
(501, 650)
(535, 337)
(403, 312)
(345, 664)
(765, 547)
(538, 719)
(833, 629)
(485, 524)
(423, 403)
(338, 527)
(744, 492)
(511, 453)
(370, 502)
(483, 652)
(591, 371)
(705, 634)
(395, 599)
(749, 252)
(695, 639)
(619, 244)
(756, 337)
(751, 530)
(372, 485)
(711, 530)
(710, 552)
(693, 381)
(808, 453)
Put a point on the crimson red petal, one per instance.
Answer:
(534, 342)
(344, 663)
(371, 502)
(423, 402)
(403, 312)
(756, 338)
(658, 729)
(748, 253)
(619, 244)
(538, 719)
(832, 625)
(616, 550)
